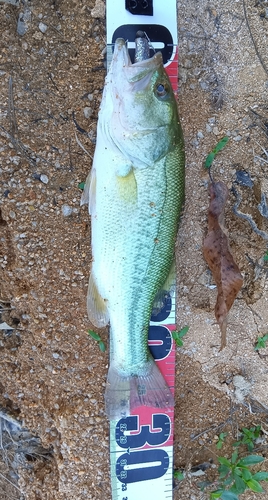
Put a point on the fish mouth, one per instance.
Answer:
(134, 71)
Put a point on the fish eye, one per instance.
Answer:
(161, 89)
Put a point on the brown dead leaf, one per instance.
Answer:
(219, 258)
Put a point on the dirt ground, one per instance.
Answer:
(52, 374)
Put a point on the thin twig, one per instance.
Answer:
(247, 217)
(4, 477)
(253, 41)
(81, 146)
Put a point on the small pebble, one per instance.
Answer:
(200, 134)
(203, 85)
(237, 138)
(88, 112)
(44, 178)
(187, 63)
(24, 20)
(208, 128)
(66, 210)
(43, 27)
(55, 355)
(243, 178)
(99, 9)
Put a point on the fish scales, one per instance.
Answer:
(135, 195)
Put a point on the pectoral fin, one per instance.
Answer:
(127, 187)
(89, 192)
(96, 305)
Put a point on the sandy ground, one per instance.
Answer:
(52, 374)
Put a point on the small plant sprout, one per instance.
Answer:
(219, 146)
(248, 436)
(261, 342)
(96, 337)
(221, 439)
(178, 475)
(81, 185)
(265, 257)
(235, 477)
(178, 335)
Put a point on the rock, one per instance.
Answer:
(88, 112)
(24, 21)
(243, 178)
(99, 9)
(44, 178)
(66, 210)
(242, 387)
(43, 27)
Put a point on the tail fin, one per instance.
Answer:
(125, 393)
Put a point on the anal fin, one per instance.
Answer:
(96, 305)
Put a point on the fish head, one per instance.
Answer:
(143, 119)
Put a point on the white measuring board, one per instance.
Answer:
(141, 445)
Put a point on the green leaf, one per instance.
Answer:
(247, 432)
(239, 484)
(224, 461)
(234, 457)
(178, 341)
(246, 474)
(178, 475)
(177, 335)
(223, 471)
(265, 257)
(221, 144)
(260, 476)
(219, 445)
(209, 160)
(102, 346)
(216, 494)
(250, 446)
(183, 331)
(94, 335)
(237, 443)
(229, 495)
(228, 481)
(204, 484)
(254, 485)
(250, 460)
(81, 185)
(261, 342)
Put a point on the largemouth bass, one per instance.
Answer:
(135, 194)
